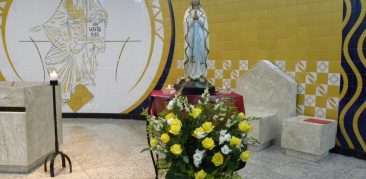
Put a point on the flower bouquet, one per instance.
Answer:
(205, 140)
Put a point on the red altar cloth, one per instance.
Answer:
(159, 100)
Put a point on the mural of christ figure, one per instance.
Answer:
(76, 33)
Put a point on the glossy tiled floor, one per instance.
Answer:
(102, 148)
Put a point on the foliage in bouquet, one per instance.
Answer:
(205, 140)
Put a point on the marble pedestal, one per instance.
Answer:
(267, 89)
(263, 129)
(307, 140)
(26, 125)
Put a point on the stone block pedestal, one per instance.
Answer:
(26, 125)
(308, 140)
(263, 130)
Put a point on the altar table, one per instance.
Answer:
(159, 100)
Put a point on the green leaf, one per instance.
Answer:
(145, 149)
(236, 176)
(185, 159)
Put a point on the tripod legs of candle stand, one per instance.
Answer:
(68, 159)
(52, 158)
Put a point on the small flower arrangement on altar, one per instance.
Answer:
(203, 140)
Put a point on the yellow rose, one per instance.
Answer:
(165, 138)
(208, 143)
(235, 141)
(197, 130)
(176, 121)
(170, 116)
(196, 112)
(245, 127)
(176, 149)
(241, 116)
(207, 126)
(153, 142)
(175, 127)
(245, 156)
(200, 175)
(217, 159)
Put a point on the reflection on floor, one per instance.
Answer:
(105, 148)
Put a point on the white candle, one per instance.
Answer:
(53, 76)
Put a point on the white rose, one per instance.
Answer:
(170, 105)
(186, 108)
(198, 156)
(223, 132)
(227, 137)
(221, 140)
(197, 163)
(216, 107)
(228, 123)
(225, 150)
(180, 105)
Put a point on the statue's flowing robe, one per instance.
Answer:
(196, 44)
(73, 54)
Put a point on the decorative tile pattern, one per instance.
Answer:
(243, 65)
(211, 64)
(300, 66)
(234, 74)
(311, 78)
(322, 66)
(226, 83)
(334, 79)
(332, 103)
(320, 112)
(309, 100)
(226, 65)
(321, 90)
(301, 88)
(281, 64)
(219, 74)
(300, 109)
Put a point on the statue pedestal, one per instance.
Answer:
(195, 87)
(26, 125)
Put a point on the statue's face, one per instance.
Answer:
(195, 2)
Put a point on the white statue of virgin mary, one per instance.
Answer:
(196, 42)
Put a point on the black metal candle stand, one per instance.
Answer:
(52, 157)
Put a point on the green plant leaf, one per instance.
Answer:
(185, 159)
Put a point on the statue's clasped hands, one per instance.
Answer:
(195, 16)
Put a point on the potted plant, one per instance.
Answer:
(203, 140)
